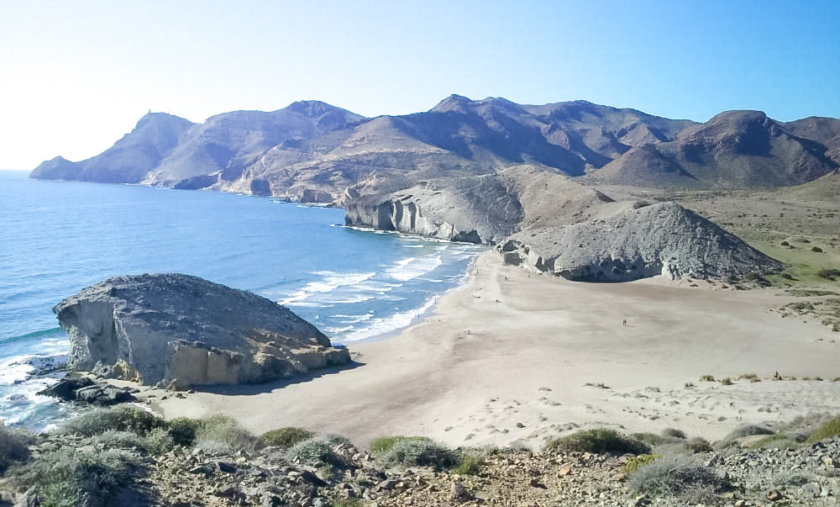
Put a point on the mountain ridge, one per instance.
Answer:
(312, 151)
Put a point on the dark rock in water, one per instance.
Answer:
(182, 331)
(66, 388)
(104, 395)
(85, 390)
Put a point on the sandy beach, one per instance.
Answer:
(506, 359)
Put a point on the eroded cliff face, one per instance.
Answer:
(477, 209)
(184, 331)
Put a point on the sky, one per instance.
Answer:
(76, 76)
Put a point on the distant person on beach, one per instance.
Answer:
(624, 322)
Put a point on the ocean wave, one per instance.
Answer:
(412, 267)
(390, 324)
(330, 281)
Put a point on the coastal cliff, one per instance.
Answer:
(180, 331)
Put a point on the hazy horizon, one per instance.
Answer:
(83, 73)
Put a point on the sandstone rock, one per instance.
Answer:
(181, 331)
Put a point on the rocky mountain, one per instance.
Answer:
(180, 331)
(735, 149)
(154, 137)
(312, 152)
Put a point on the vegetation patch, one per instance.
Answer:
(14, 446)
(124, 418)
(284, 438)
(633, 464)
(312, 451)
(830, 429)
(598, 441)
(183, 430)
(71, 477)
(221, 434)
(415, 451)
(677, 475)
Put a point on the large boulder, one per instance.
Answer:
(184, 331)
(635, 242)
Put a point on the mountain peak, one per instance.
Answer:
(453, 102)
(311, 108)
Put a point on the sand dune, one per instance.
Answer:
(505, 359)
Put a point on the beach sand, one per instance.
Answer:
(505, 359)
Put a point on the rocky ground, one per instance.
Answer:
(743, 472)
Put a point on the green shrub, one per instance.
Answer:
(633, 464)
(114, 439)
(746, 431)
(284, 437)
(829, 274)
(418, 451)
(312, 451)
(673, 433)
(125, 418)
(382, 445)
(159, 441)
(676, 475)
(14, 446)
(598, 441)
(698, 444)
(707, 378)
(470, 464)
(71, 477)
(221, 434)
(830, 429)
(183, 430)
(777, 441)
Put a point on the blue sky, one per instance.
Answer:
(75, 76)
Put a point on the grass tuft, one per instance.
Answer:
(284, 438)
(830, 429)
(598, 441)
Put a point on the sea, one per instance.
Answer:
(57, 237)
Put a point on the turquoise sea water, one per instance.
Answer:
(59, 237)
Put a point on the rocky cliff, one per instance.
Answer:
(637, 241)
(182, 330)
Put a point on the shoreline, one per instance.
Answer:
(505, 359)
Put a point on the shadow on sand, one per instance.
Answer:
(251, 389)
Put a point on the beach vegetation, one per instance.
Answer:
(707, 378)
(70, 477)
(746, 430)
(597, 441)
(830, 429)
(674, 433)
(14, 446)
(633, 464)
(828, 273)
(414, 451)
(222, 434)
(284, 438)
(471, 461)
(183, 430)
(678, 475)
(312, 451)
(124, 418)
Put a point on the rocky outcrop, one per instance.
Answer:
(636, 242)
(182, 331)
(475, 210)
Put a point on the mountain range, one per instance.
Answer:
(311, 151)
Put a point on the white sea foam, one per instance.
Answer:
(390, 324)
(329, 281)
(412, 267)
